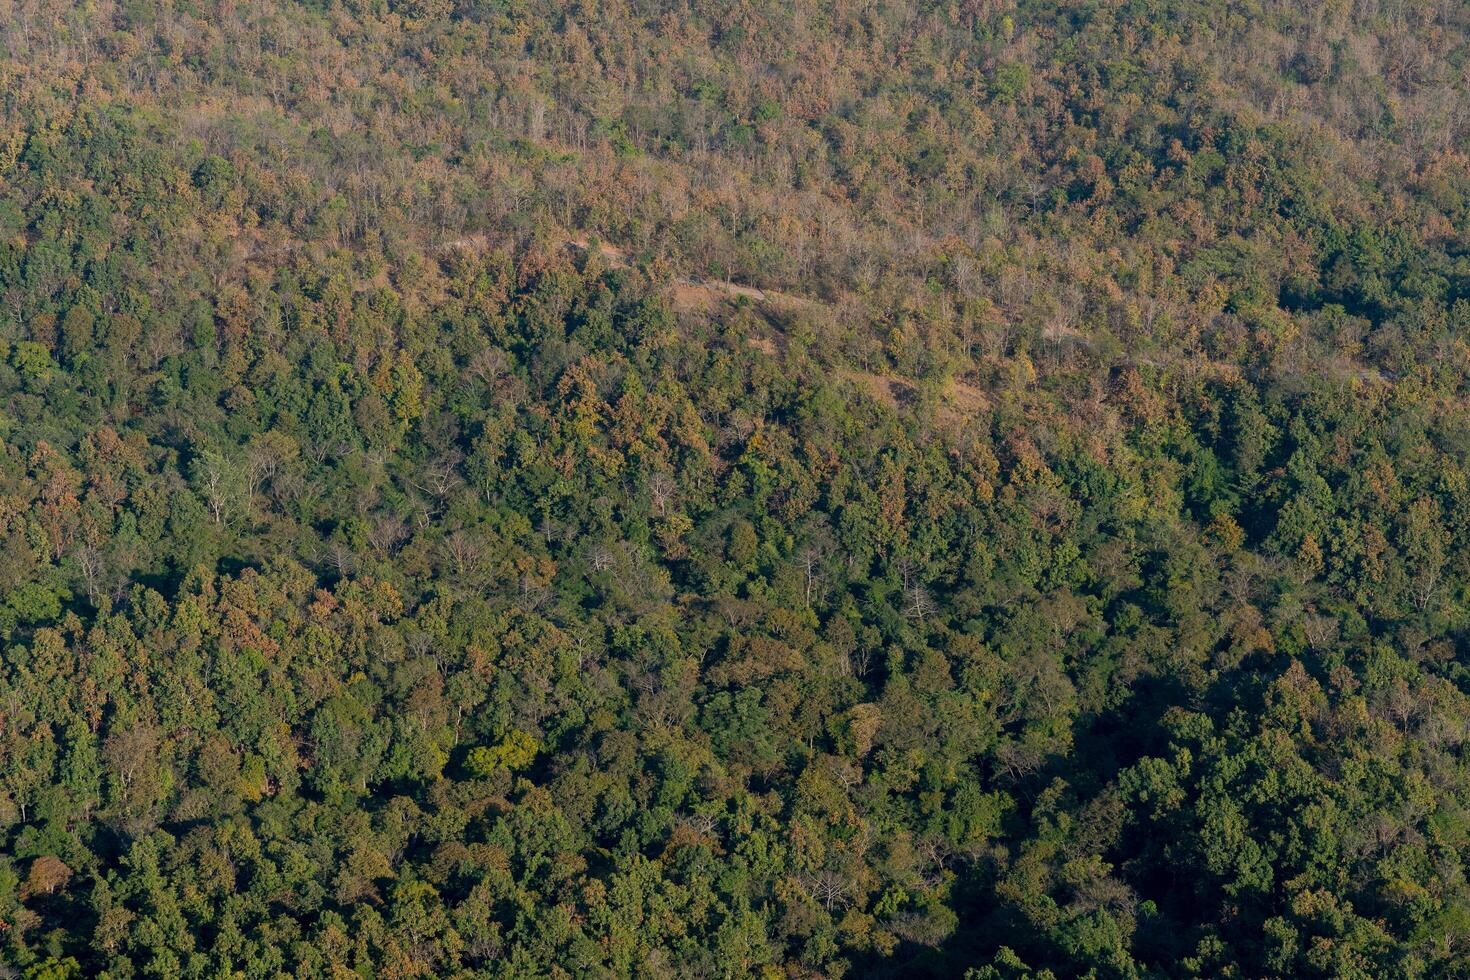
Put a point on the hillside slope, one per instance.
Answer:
(495, 488)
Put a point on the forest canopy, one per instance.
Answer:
(502, 488)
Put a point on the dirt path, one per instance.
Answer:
(691, 293)
(688, 294)
(961, 400)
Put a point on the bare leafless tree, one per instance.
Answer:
(466, 553)
(810, 562)
(601, 557)
(829, 888)
(387, 534)
(918, 604)
(339, 558)
(92, 564)
(439, 478)
(661, 491)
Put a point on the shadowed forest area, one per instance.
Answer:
(502, 488)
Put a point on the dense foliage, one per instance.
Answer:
(1064, 570)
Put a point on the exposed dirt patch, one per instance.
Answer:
(962, 401)
(688, 297)
(616, 257)
(700, 294)
(965, 400)
(888, 390)
(471, 243)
